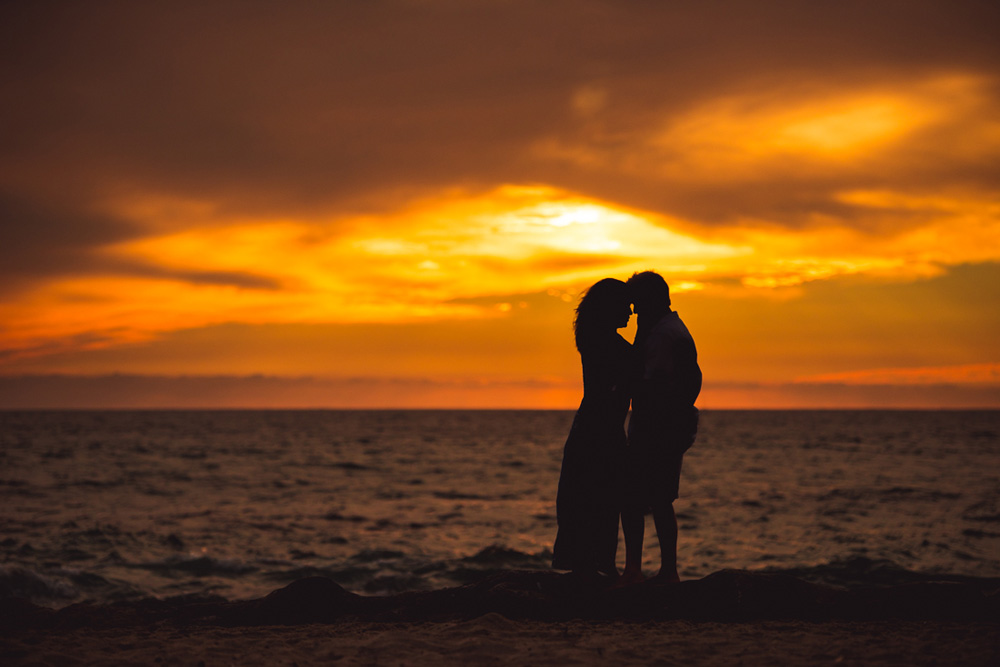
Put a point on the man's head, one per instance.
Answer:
(649, 293)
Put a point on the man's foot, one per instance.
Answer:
(667, 576)
(630, 577)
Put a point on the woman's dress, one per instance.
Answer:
(588, 502)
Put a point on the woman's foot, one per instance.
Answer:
(592, 579)
(612, 574)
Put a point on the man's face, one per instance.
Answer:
(625, 316)
(637, 303)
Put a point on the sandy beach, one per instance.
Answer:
(492, 639)
(529, 617)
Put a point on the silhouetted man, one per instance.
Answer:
(663, 424)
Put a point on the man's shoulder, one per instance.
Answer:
(671, 325)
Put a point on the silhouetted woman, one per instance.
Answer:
(588, 502)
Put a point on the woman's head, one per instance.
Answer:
(603, 308)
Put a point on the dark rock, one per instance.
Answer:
(309, 600)
(728, 595)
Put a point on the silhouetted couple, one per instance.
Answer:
(607, 475)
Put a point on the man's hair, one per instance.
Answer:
(650, 286)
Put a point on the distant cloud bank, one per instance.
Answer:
(128, 392)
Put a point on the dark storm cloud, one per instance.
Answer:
(39, 238)
(45, 240)
(293, 108)
(233, 278)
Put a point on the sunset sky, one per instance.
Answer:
(398, 204)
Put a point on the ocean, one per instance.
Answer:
(123, 505)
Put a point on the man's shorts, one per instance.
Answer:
(653, 462)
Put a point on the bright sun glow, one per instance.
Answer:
(436, 258)
(425, 261)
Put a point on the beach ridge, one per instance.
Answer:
(545, 595)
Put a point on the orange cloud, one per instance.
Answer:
(426, 260)
(433, 259)
(737, 135)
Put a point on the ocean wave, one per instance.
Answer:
(198, 566)
(395, 583)
(73, 554)
(458, 495)
(387, 571)
(904, 494)
(970, 532)
(497, 554)
(103, 535)
(987, 511)
(344, 576)
(22, 582)
(348, 465)
(491, 561)
(337, 516)
(373, 555)
(86, 580)
(863, 571)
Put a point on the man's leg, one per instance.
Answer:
(666, 533)
(634, 527)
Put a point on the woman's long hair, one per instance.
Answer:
(599, 310)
